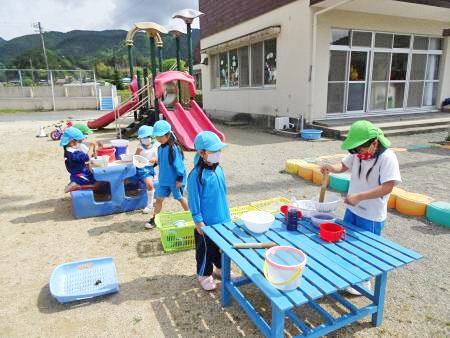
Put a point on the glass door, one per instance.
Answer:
(357, 81)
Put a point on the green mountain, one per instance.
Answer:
(2, 41)
(84, 49)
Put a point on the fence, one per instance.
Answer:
(53, 88)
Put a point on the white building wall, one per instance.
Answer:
(290, 96)
(371, 22)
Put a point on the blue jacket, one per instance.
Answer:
(207, 201)
(76, 161)
(170, 173)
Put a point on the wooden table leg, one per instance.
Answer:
(380, 287)
(278, 322)
(226, 268)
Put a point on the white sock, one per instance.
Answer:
(150, 194)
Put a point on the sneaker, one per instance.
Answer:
(150, 224)
(355, 292)
(147, 209)
(218, 273)
(207, 282)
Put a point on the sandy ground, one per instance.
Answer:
(159, 296)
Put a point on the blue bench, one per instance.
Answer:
(330, 267)
(84, 204)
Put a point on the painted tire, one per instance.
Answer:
(55, 135)
(439, 212)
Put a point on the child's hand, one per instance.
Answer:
(352, 199)
(199, 227)
(153, 160)
(326, 169)
(179, 185)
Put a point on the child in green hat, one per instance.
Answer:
(375, 172)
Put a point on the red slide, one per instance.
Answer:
(185, 123)
(106, 119)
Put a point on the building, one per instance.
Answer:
(324, 58)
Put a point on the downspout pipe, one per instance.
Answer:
(312, 75)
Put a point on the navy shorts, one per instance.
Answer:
(83, 178)
(143, 173)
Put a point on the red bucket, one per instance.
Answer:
(332, 232)
(110, 151)
(284, 209)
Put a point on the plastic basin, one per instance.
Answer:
(110, 151)
(258, 221)
(318, 218)
(311, 134)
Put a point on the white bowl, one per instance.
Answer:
(330, 202)
(100, 161)
(140, 161)
(258, 221)
(119, 143)
(322, 217)
(307, 207)
(126, 157)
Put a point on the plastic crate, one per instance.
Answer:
(272, 205)
(176, 239)
(83, 279)
(237, 212)
(168, 219)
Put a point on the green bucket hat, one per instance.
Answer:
(362, 131)
(83, 128)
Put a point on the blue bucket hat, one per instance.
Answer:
(161, 128)
(207, 140)
(71, 133)
(145, 131)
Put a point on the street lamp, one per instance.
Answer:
(188, 15)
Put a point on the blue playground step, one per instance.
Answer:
(107, 103)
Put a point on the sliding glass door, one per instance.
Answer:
(375, 72)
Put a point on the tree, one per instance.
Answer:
(103, 70)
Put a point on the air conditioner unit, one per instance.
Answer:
(281, 123)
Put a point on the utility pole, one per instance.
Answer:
(49, 74)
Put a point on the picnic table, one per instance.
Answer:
(330, 267)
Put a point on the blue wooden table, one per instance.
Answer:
(330, 267)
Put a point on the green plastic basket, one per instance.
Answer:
(168, 219)
(237, 212)
(271, 205)
(176, 239)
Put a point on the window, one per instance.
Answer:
(254, 65)
(270, 62)
(257, 66)
(223, 69)
(244, 80)
(377, 71)
(234, 68)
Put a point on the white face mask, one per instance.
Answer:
(146, 141)
(214, 157)
(82, 147)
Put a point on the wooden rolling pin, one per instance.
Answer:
(264, 245)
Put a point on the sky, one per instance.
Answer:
(17, 16)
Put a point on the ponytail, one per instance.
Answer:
(173, 142)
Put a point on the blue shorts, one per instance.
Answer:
(143, 173)
(163, 191)
(372, 226)
(83, 178)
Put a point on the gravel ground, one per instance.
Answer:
(159, 296)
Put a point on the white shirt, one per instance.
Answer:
(385, 169)
(150, 152)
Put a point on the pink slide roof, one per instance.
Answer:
(173, 75)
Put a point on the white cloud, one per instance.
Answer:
(17, 16)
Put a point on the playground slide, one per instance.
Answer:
(106, 119)
(188, 123)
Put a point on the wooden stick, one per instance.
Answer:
(324, 187)
(264, 245)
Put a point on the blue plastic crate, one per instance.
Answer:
(84, 279)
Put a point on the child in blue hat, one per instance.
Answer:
(172, 173)
(76, 159)
(147, 148)
(208, 204)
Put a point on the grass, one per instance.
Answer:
(20, 110)
(124, 94)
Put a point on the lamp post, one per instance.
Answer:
(188, 15)
(176, 33)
